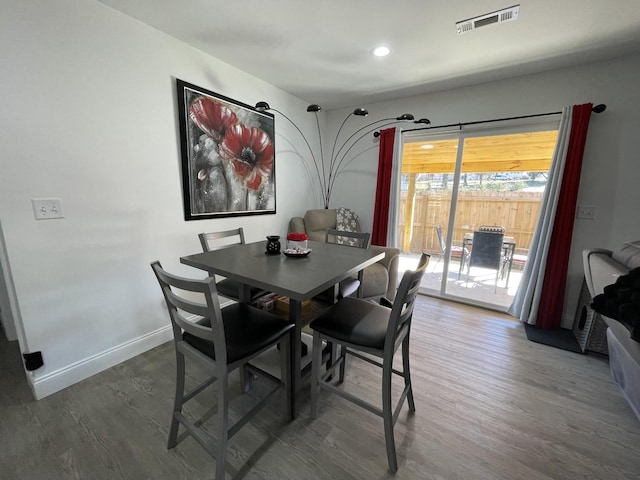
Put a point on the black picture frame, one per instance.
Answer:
(228, 155)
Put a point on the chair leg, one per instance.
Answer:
(343, 365)
(315, 373)
(387, 413)
(333, 356)
(285, 372)
(222, 425)
(407, 373)
(177, 403)
(246, 379)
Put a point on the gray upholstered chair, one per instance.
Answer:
(222, 340)
(364, 330)
(380, 279)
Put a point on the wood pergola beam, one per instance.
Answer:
(523, 152)
(538, 165)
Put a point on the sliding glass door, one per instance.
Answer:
(457, 183)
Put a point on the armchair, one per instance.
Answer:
(380, 279)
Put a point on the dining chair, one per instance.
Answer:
(352, 239)
(456, 251)
(365, 329)
(220, 340)
(216, 240)
(487, 251)
(349, 285)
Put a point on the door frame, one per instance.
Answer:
(11, 319)
(504, 127)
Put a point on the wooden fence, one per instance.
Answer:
(516, 211)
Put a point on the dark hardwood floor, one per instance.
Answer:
(489, 405)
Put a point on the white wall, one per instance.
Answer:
(89, 115)
(611, 165)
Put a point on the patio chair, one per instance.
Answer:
(506, 253)
(491, 228)
(458, 252)
(487, 252)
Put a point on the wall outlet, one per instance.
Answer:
(47, 208)
(586, 212)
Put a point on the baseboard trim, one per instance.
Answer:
(65, 377)
(566, 321)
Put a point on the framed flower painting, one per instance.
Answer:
(228, 155)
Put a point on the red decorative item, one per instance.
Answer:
(297, 237)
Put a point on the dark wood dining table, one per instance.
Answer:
(299, 278)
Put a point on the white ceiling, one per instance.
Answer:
(319, 50)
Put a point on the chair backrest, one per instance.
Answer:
(443, 245)
(402, 309)
(202, 302)
(486, 251)
(315, 223)
(351, 239)
(216, 240)
(491, 228)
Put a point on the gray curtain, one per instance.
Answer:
(394, 194)
(527, 299)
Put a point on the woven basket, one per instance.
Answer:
(588, 326)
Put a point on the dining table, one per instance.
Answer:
(300, 278)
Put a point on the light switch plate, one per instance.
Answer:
(586, 212)
(47, 208)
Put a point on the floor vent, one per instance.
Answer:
(505, 15)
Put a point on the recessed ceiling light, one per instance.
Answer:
(381, 51)
(426, 146)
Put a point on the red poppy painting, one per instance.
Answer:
(228, 155)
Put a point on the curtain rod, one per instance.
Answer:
(596, 109)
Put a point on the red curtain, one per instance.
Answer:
(383, 188)
(555, 277)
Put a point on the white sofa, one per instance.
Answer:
(602, 268)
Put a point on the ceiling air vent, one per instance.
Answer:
(505, 15)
